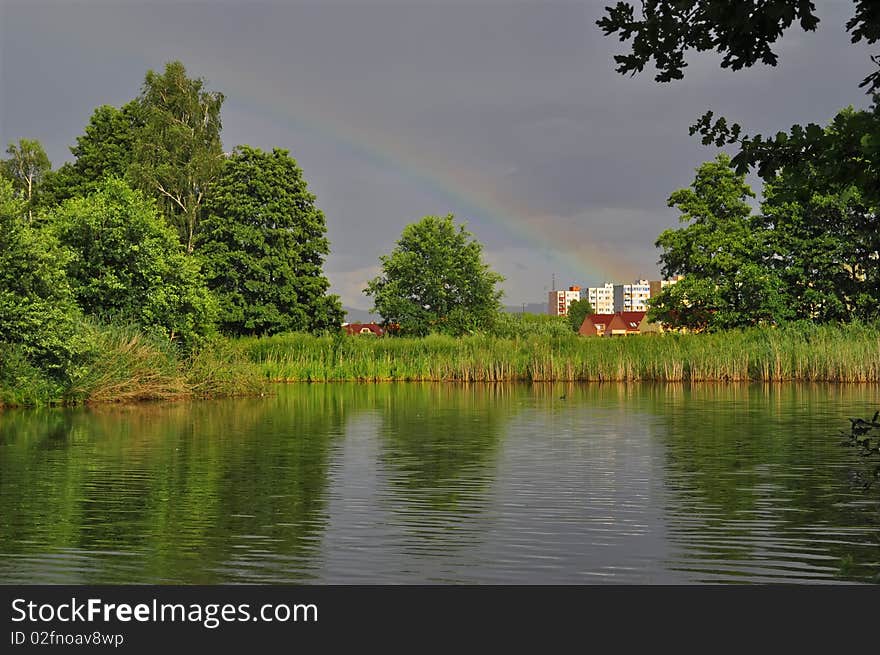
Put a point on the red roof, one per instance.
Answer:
(362, 328)
(598, 324)
(632, 319)
(600, 318)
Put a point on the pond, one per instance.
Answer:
(440, 483)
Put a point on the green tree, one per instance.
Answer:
(26, 167)
(178, 154)
(723, 255)
(822, 227)
(578, 310)
(264, 241)
(105, 149)
(821, 192)
(127, 265)
(435, 281)
(37, 310)
(744, 31)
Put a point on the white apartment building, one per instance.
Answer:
(602, 298)
(632, 297)
(559, 300)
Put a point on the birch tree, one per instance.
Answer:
(178, 153)
(26, 167)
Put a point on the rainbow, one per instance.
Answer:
(467, 193)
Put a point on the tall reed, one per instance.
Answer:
(810, 353)
(124, 365)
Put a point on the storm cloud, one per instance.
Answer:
(506, 113)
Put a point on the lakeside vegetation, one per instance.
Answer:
(126, 366)
(158, 266)
(848, 353)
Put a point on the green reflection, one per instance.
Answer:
(440, 441)
(751, 483)
(757, 473)
(191, 492)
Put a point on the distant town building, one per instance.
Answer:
(559, 300)
(610, 298)
(632, 297)
(658, 285)
(363, 328)
(617, 324)
(602, 298)
(595, 325)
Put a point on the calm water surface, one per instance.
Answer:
(438, 483)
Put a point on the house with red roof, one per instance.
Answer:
(373, 329)
(597, 325)
(620, 323)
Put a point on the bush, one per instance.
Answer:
(127, 265)
(38, 315)
(523, 326)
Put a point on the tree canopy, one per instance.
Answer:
(264, 241)
(821, 191)
(127, 265)
(37, 310)
(744, 32)
(26, 168)
(822, 224)
(435, 281)
(105, 149)
(721, 255)
(178, 154)
(578, 310)
(152, 165)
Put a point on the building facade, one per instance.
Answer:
(559, 300)
(602, 298)
(658, 285)
(632, 297)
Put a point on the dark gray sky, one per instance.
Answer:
(506, 113)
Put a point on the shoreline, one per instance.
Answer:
(247, 366)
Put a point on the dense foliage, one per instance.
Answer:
(823, 234)
(166, 143)
(744, 32)
(813, 251)
(578, 310)
(38, 314)
(26, 168)
(722, 255)
(263, 242)
(104, 150)
(435, 281)
(178, 154)
(127, 265)
(101, 253)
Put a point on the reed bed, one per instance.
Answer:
(126, 366)
(798, 353)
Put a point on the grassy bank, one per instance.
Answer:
(128, 367)
(123, 365)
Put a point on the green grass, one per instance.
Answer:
(121, 364)
(125, 366)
